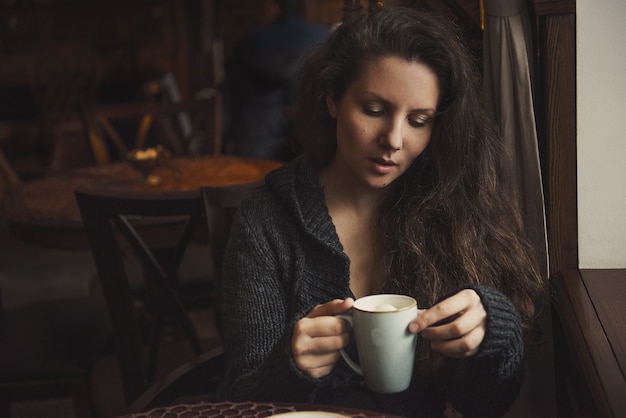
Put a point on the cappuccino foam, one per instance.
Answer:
(384, 307)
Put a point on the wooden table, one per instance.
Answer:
(44, 212)
(592, 307)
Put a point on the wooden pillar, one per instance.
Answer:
(556, 53)
(556, 33)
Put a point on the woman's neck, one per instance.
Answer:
(340, 192)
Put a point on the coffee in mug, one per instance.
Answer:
(385, 346)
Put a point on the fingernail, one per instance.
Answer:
(414, 328)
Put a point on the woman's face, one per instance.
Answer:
(384, 121)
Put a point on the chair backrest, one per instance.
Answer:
(157, 227)
(186, 127)
(220, 205)
(165, 90)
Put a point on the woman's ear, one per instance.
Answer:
(332, 106)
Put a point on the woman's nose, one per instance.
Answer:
(391, 137)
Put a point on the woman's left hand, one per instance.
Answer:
(455, 326)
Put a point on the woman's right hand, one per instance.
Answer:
(318, 337)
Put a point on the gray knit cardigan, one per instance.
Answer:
(283, 258)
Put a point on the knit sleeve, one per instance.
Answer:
(256, 324)
(486, 384)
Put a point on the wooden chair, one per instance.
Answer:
(220, 205)
(157, 227)
(186, 127)
(194, 381)
(165, 90)
(48, 350)
(200, 377)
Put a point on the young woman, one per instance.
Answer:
(397, 191)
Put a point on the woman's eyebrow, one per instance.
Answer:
(368, 95)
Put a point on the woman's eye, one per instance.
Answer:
(373, 110)
(419, 121)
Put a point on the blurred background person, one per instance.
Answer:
(260, 81)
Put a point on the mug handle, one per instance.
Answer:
(353, 364)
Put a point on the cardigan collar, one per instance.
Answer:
(296, 185)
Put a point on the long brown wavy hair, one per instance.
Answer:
(450, 222)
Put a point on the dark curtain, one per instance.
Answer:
(507, 63)
(507, 50)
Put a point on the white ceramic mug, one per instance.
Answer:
(386, 347)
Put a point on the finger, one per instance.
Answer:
(317, 356)
(333, 307)
(465, 346)
(319, 346)
(461, 325)
(436, 315)
(320, 327)
(446, 309)
(310, 362)
(414, 326)
(317, 366)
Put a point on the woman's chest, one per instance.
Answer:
(359, 244)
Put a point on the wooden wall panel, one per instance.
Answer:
(137, 39)
(556, 21)
(560, 81)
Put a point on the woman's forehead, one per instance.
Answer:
(393, 77)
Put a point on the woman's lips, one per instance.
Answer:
(382, 165)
